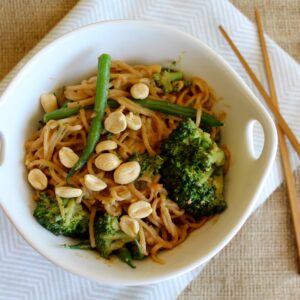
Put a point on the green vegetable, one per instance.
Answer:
(192, 172)
(108, 235)
(165, 78)
(150, 165)
(125, 256)
(73, 223)
(99, 108)
(162, 106)
(178, 110)
(62, 113)
(84, 245)
(136, 250)
(66, 112)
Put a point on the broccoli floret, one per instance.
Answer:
(192, 172)
(108, 235)
(73, 223)
(150, 165)
(165, 79)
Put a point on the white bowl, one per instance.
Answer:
(74, 57)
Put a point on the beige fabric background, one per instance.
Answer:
(261, 262)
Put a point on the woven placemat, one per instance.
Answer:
(260, 263)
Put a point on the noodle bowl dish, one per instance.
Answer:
(126, 152)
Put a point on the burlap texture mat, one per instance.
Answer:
(261, 262)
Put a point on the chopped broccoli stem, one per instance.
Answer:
(73, 223)
(192, 170)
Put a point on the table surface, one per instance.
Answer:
(260, 262)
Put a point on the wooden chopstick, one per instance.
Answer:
(280, 120)
(287, 169)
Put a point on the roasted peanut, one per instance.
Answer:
(106, 146)
(134, 122)
(94, 183)
(37, 179)
(129, 226)
(140, 209)
(139, 91)
(115, 122)
(107, 161)
(67, 157)
(127, 172)
(67, 192)
(49, 102)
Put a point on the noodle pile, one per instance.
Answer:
(167, 225)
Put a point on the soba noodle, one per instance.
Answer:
(167, 225)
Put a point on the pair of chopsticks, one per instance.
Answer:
(271, 101)
(282, 127)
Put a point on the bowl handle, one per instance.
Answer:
(2, 152)
(1, 148)
(1, 131)
(270, 141)
(3, 124)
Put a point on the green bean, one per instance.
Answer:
(62, 113)
(136, 250)
(210, 120)
(178, 110)
(65, 112)
(162, 106)
(96, 127)
(125, 256)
